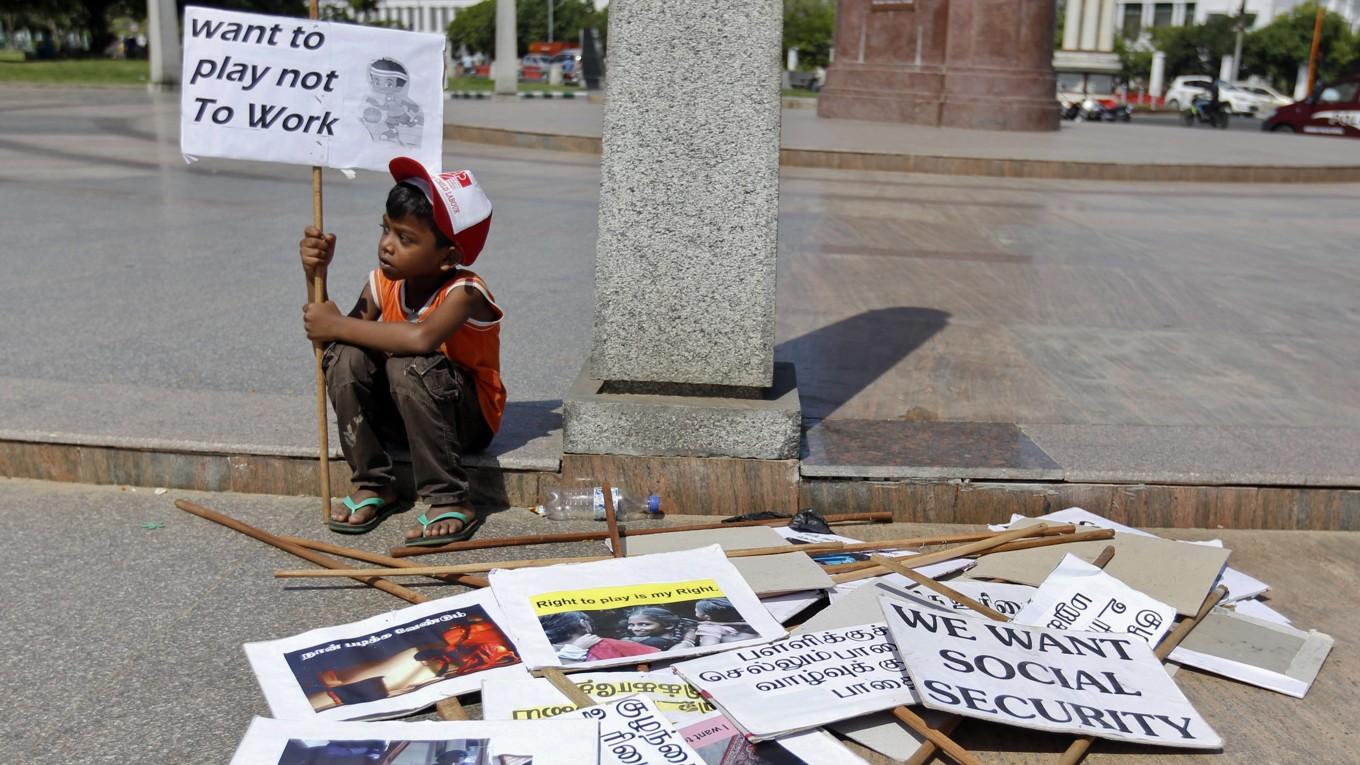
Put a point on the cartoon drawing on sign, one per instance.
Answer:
(388, 114)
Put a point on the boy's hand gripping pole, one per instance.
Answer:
(319, 296)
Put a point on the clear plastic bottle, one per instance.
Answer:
(584, 504)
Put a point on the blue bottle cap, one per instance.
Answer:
(653, 503)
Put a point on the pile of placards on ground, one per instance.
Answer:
(684, 651)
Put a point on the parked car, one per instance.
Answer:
(1333, 109)
(1184, 89)
(534, 66)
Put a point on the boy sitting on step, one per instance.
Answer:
(417, 360)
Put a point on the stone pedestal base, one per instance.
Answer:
(765, 428)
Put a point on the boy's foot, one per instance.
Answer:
(446, 527)
(341, 514)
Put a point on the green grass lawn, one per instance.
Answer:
(90, 71)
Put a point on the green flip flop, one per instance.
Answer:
(383, 509)
(470, 525)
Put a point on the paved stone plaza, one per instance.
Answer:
(1136, 331)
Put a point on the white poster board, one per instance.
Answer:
(804, 682)
(1080, 597)
(314, 742)
(1103, 685)
(629, 610)
(280, 89)
(386, 665)
(524, 697)
(634, 732)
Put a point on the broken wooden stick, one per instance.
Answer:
(406, 594)
(611, 520)
(378, 559)
(569, 689)
(451, 709)
(958, 551)
(935, 736)
(895, 566)
(1065, 539)
(591, 536)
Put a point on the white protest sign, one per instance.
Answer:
(1080, 597)
(279, 89)
(803, 682)
(305, 742)
(630, 610)
(524, 697)
(1102, 685)
(634, 732)
(389, 664)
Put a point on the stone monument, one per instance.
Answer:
(682, 358)
(505, 67)
(949, 63)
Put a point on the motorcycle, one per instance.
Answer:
(1204, 110)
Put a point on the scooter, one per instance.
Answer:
(1204, 110)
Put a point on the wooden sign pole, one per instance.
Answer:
(319, 296)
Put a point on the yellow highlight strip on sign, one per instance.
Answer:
(624, 596)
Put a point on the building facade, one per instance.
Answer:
(418, 15)
(1136, 19)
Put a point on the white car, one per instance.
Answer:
(1185, 89)
(1269, 98)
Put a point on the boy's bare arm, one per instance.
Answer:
(325, 324)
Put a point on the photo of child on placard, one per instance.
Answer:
(378, 752)
(593, 634)
(410, 657)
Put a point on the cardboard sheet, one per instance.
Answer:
(1258, 652)
(1174, 573)
(736, 538)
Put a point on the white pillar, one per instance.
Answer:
(506, 66)
(1072, 25)
(1158, 74)
(1301, 82)
(166, 56)
(1225, 67)
(1105, 35)
(1090, 21)
(791, 63)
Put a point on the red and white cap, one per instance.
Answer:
(461, 209)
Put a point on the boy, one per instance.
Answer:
(418, 357)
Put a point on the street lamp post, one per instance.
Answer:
(550, 20)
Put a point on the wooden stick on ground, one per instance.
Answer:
(590, 536)
(927, 750)
(377, 559)
(1094, 535)
(935, 736)
(451, 709)
(612, 521)
(412, 569)
(406, 594)
(567, 687)
(958, 551)
(895, 565)
(940, 539)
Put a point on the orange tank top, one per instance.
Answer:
(476, 345)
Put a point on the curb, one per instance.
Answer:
(568, 95)
(945, 165)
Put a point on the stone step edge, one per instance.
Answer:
(941, 500)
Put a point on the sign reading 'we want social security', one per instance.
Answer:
(279, 89)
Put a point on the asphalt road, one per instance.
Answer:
(1249, 124)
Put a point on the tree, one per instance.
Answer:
(1196, 48)
(810, 26)
(1135, 61)
(1276, 50)
(474, 27)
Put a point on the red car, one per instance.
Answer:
(1333, 109)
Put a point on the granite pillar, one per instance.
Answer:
(166, 54)
(682, 357)
(950, 63)
(505, 68)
